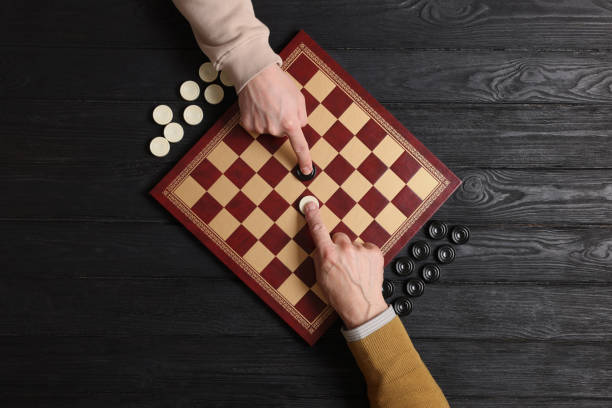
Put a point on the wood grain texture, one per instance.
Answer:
(225, 307)
(581, 24)
(478, 135)
(150, 370)
(107, 301)
(81, 191)
(529, 254)
(396, 76)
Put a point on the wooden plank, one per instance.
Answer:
(492, 136)
(390, 75)
(131, 250)
(282, 372)
(412, 24)
(226, 307)
(118, 191)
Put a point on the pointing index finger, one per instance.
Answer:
(300, 147)
(319, 232)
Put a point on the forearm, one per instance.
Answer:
(394, 372)
(231, 36)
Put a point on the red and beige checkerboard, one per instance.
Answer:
(235, 191)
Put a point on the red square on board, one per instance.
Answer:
(271, 143)
(340, 203)
(239, 173)
(238, 139)
(372, 168)
(375, 234)
(240, 206)
(337, 101)
(274, 239)
(241, 240)
(310, 135)
(272, 172)
(306, 272)
(302, 69)
(274, 205)
(304, 239)
(371, 134)
(339, 169)
(341, 227)
(311, 102)
(406, 201)
(373, 202)
(206, 174)
(206, 208)
(310, 305)
(338, 135)
(275, 273)
(405, 166)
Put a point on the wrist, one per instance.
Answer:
(360, 315)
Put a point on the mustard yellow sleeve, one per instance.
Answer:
(395, 375)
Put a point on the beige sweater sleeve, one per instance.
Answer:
(231, 36)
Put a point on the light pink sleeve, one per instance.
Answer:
(231, 36)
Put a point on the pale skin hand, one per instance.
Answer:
(271, 103)
(350, 274)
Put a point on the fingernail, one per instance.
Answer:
(310, 206)
(306, 170)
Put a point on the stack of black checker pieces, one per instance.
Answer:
(429, 272)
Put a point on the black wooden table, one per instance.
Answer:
(106, 301)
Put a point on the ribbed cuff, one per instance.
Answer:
(369, 327)
(248, 59)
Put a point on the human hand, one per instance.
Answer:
(350, 274)
(271, 103)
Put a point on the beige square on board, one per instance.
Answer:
(389, 184)
(388, 150)
(355, 152)
(330, 220)
(189, 191)
(297, 83)
(356, 185)
(293, 289)
(323, 153)
(291, 221)
(255, 155)
(323, 187)
(257, 189)
(223, 190)
(357, 219)
(292, 255)
(390, 218)
(290, 188)
(319, 86)
(286, 156)
(321, 119)
(224, 224)
(319, 292)
(222, 156)
(257, 223)
(258, 256)
(354, 118)
(422, 183)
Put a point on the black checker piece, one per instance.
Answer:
(403, 266)
(415, 287)
(445, 254)
(420, 250)
(402, 306)
(436, 230)
(430, 272)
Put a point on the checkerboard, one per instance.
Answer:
(237, 193)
